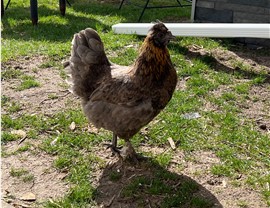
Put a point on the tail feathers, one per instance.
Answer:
(88, 48)
(87, 63)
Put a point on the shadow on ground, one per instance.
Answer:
(147, 184)
(45, 30)
(54, 27)
(218, 65)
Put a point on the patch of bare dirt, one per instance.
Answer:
(30, 173)
(44, 182)
(228, 194)
(226, 60)
(257, 106)
(52, 94)
(181, 84)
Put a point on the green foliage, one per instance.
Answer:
(164, 159)
(7, 137)
(14, 107)
(11, 74)
(8, 122)
(28, 178)
(18, 172)
(242, 88)
(4, 100)
(23, 174)
(27, 82)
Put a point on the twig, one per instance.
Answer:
(46, 99)
(22, 139)
(110, 202)
(149, 203)
(68, 92)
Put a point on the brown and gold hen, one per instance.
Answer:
(122, 99)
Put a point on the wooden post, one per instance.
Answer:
(2, 8)
(62, 6)
(34, 11)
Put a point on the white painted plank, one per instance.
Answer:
(222, 30)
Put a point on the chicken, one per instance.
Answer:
(122, 99)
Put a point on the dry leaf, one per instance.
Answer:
(170, 140)
(224, 183)
(267, 187)
(54, 141)
(29, 196)
(20, 133)
(72, 126)
(92, 129)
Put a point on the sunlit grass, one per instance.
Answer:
(239, 145)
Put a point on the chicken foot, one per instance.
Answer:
(113, 146)
(125, 153)
(129, 153)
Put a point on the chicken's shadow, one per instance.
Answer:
(147, 184)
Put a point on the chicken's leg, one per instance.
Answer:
(129, 152)
(113, 146)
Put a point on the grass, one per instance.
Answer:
(156, 186)
(27, 83)
(241, 148)
(11, 74)
(26, 80)
(22, 174)
(14, 107)
(18, 172)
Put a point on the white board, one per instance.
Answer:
(221, 30)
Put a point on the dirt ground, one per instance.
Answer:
(48, 183)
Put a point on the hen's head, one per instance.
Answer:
(160, 35)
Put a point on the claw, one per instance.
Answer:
(113, 146)
(125, 153)
(115, 150)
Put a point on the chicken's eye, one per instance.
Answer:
(160, 35)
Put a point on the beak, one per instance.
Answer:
(170, 36)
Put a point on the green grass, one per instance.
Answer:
(28, 178)
(241, 148)
(22, 174)
(14, 107)
(18, 172)
(11, 74)
(27, 83)
(172, 189)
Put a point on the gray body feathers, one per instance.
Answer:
(114, 97)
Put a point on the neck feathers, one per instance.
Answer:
(152, 59)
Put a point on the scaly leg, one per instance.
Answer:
(129, 153)
(113, 146)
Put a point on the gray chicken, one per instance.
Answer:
(122, 99)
